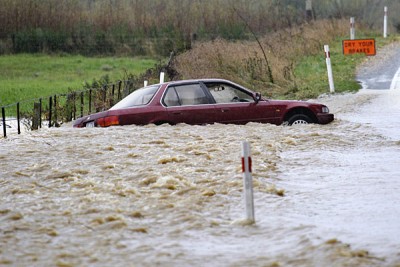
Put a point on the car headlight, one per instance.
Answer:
(325, 109)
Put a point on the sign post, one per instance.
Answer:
(329, 68)
(247, 181)
(385, 22)
(352, 29)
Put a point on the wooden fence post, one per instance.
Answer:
(36, 115)
(119, 90)
(40, 113)
(74, 105)
(3, 114)
(18, 119)
(82, 103)
(104, 104)
(50, 108)
(55, 111)
(90, 101)
(112, 95)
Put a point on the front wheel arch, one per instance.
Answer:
(299, 119)
(288, 118)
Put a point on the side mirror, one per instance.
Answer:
(257, 97)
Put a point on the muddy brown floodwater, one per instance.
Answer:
(172, 195)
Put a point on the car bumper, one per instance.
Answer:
(325, 118)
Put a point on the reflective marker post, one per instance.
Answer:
(247, 181)
(385, 22)
(309, 12)
(329, 68)
(162, 77)
(352, 28)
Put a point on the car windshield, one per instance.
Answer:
(139, 97)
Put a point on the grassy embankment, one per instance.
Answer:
(28, 76)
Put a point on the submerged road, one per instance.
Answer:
(384, 73)
(382, 78)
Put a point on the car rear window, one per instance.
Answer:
(139, 97)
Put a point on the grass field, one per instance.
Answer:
(27, 76)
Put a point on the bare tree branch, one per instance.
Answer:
(271, 78)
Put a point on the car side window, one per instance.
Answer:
(188, 94)
(224, 93)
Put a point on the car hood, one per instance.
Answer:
(292, 102)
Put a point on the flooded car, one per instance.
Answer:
(204, 101)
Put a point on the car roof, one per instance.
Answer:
(198, 80)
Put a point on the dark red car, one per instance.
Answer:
(204, 101)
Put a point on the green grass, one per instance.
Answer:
(28, 76)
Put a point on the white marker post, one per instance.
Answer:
(385, 22)
(145, 83)
(352, 29)
(309, 13)
(247, 181)
(329, 68)
(162, 77)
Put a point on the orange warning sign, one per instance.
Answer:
(359, 46)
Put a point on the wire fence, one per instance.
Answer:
(57, 109)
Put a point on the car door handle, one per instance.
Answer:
(224, 109)
(177, 112)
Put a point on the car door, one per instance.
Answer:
(189, 103)
(237, 105)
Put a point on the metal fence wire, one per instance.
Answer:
(61, 108)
